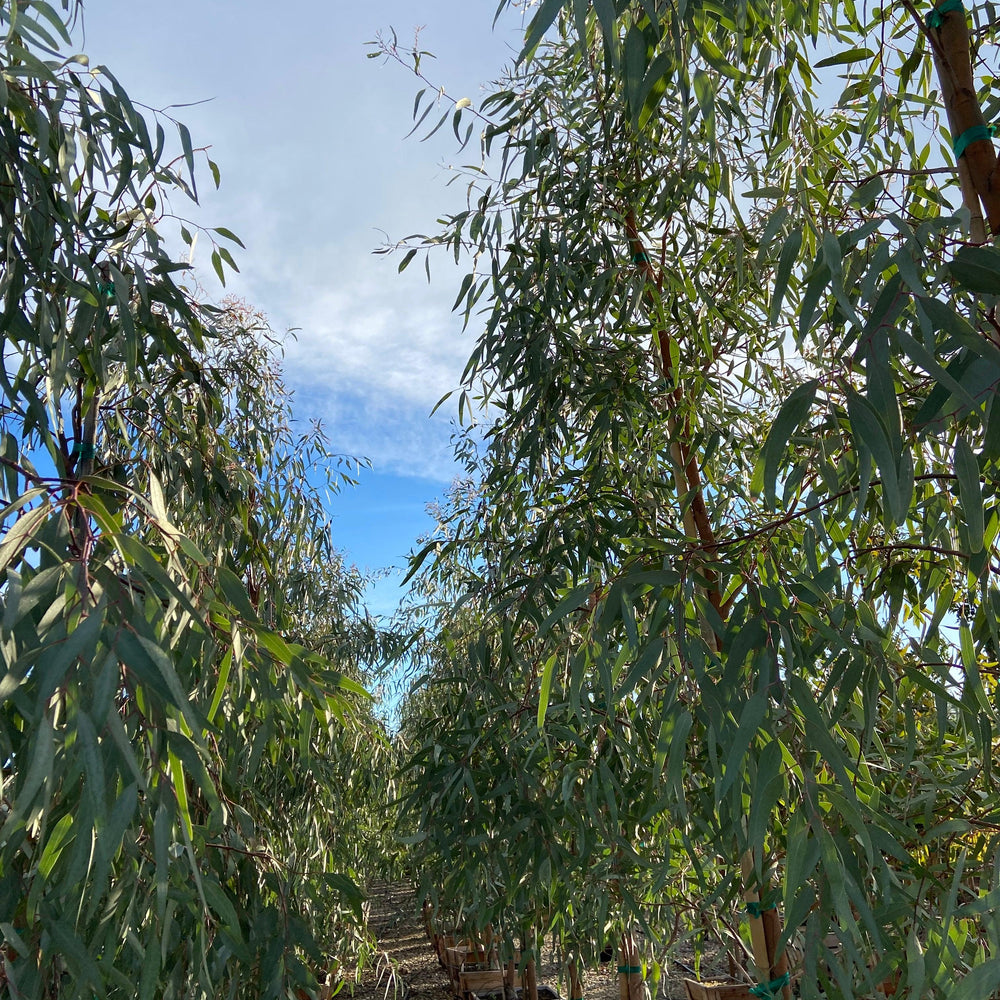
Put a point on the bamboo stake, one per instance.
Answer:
(758, 939)
(635, 983)
(764, 932)
(951, 45)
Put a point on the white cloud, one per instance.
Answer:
(362, 338)
(373, 352)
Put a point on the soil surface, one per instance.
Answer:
(408, 968)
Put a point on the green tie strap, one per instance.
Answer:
(84, 451)
(936, 17)
(630, 970)
(641, 258)
(978, 133)
(755, 909)
(771, 989)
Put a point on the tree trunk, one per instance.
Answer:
(530, 982)
(509, 978)
(575, 982)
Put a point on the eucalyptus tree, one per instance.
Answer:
(182, 649)
(738, 360)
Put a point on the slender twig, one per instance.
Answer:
(781, 521)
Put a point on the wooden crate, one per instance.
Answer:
(496, 993)
(442, 942)
(479, 981)
(467, 954)
(717, 991)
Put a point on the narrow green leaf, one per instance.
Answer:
(220, 685)
(870, 432)
(918, 353)
(970, 492)
(750, 722)
(186, 146)
(149, 978)
(786, 260)
(54, 844)
(793, 411)
(236, 594)
(843, 58)
(93, 766)
(162, 828)
(217, 265)
(21, 533)
(540, 23)
(546, 688)
(229, 235)
(575, 599)
(218, 899)
(981, 981)
(977, 269)
(37, 772)
(76, 954)
(180, 790)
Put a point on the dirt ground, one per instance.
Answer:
(408, 968)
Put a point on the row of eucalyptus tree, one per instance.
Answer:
(721, 595)
(184, 732)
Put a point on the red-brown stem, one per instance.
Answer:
(689, 480)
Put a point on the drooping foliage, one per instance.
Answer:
(184, 731)
(728, 569)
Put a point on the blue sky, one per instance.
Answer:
(309, 135)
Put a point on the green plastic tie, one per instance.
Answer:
(771, 989)
(631, 970)
(106, 289)
(755, 909)
(936, 17)
(84, 451)
(978, 133)
(641, 258)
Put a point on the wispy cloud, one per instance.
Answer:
(396, 435)
(371, 355)
(370, 352)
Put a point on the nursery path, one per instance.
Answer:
(407, 968)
